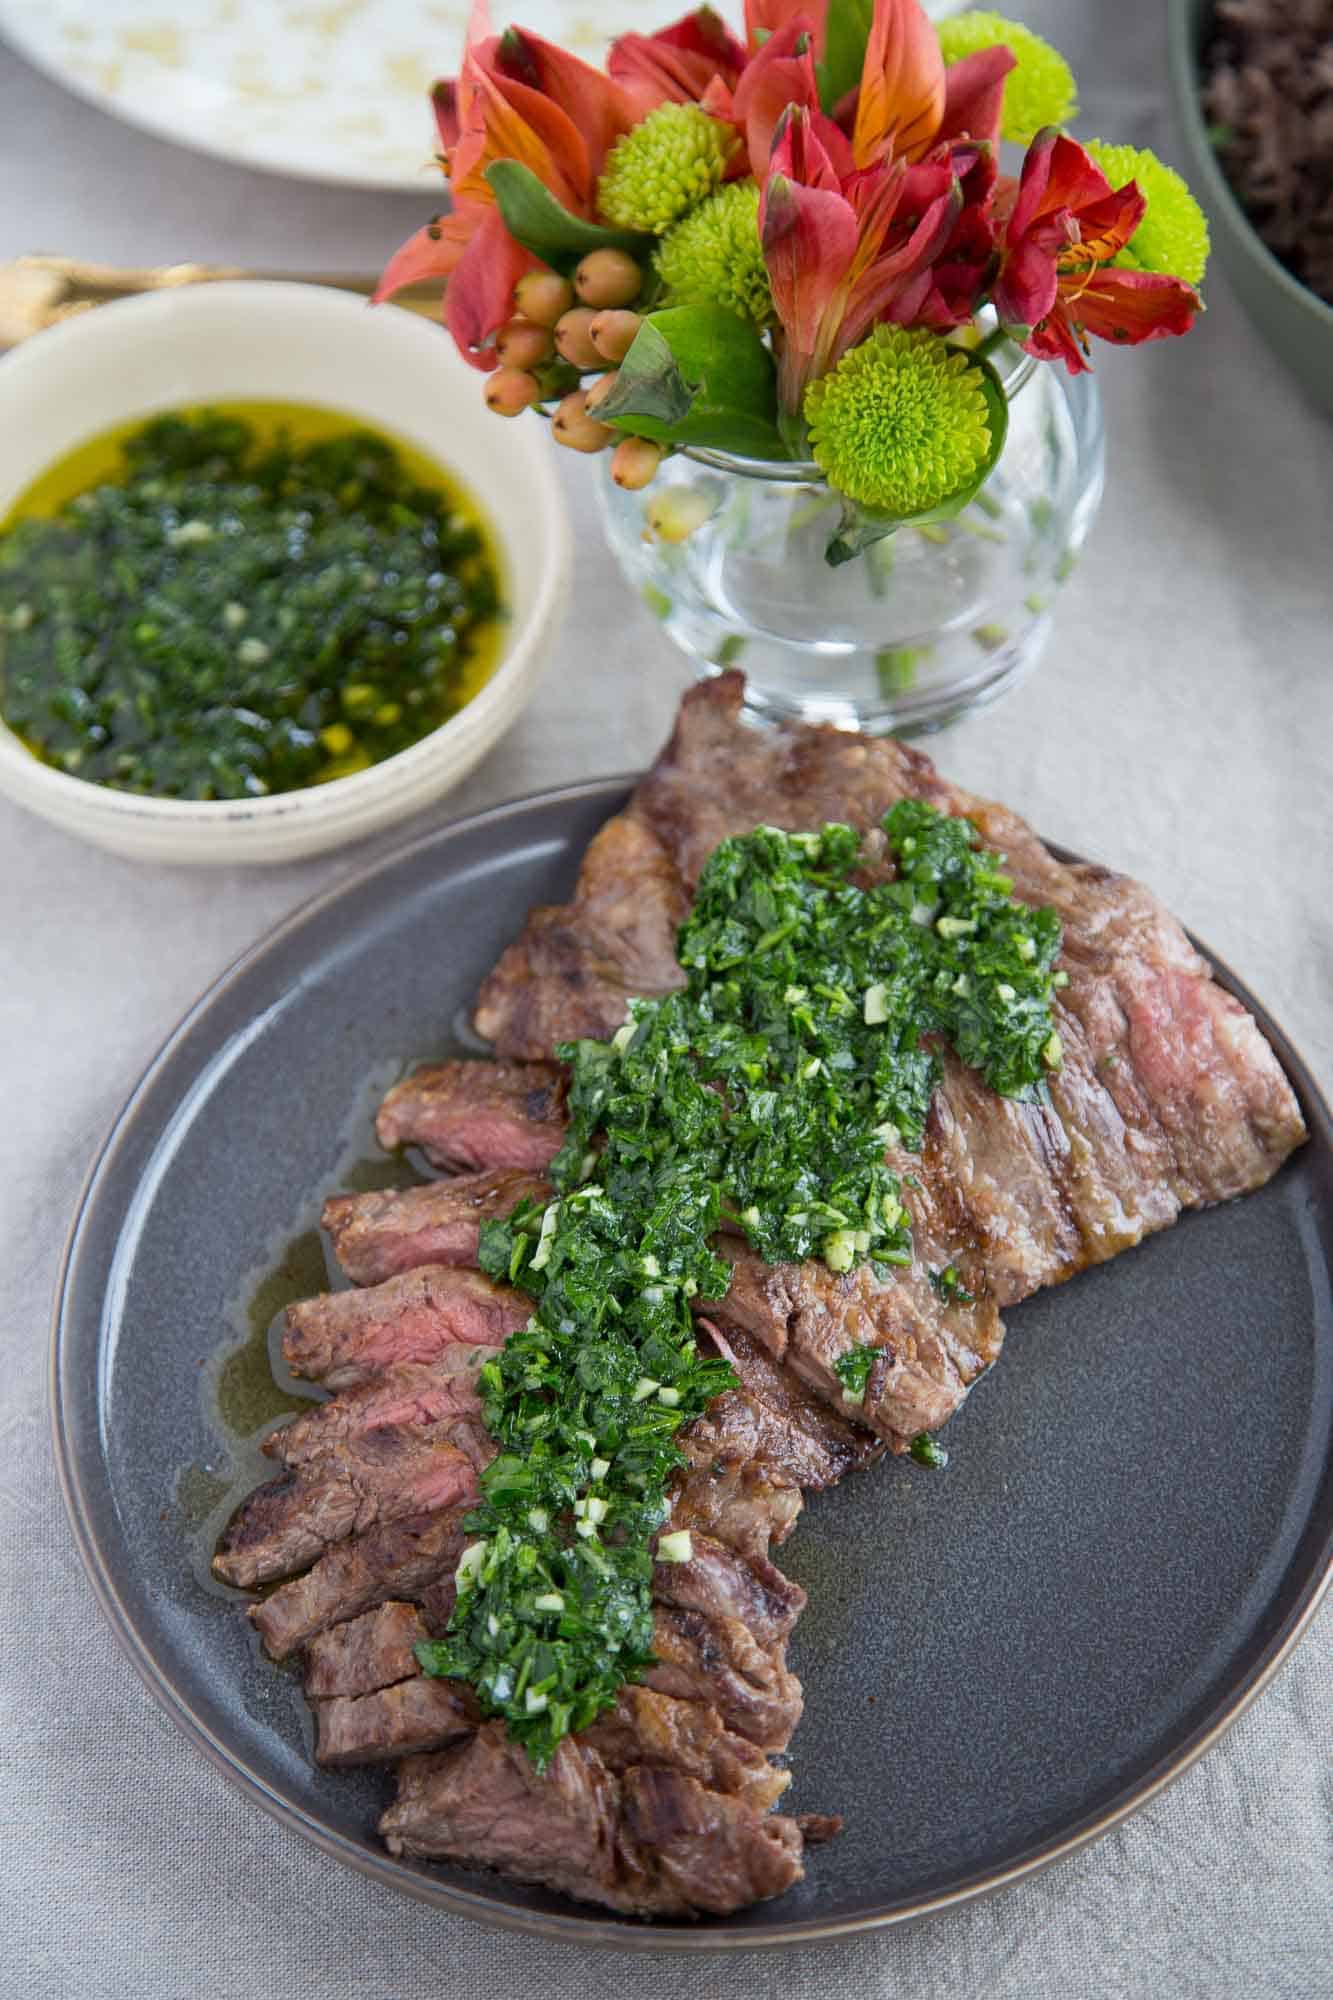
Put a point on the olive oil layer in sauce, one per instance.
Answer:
(228, 602)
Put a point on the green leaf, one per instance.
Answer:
(698, 375)
(846, 32)
(861, 526)
(534, 218)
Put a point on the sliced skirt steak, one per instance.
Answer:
(478, 1114)
(648, 1841)
(380, 1235)
(344, 1338)
(1167, 1098)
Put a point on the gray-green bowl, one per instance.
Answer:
(1297, 325)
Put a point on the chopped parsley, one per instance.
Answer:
(853, 1369)
(951, 1287)
(764, 1095)
(233, 614)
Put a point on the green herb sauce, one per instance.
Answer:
(240, 601)
(765, 1094)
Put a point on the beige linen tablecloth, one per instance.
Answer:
(1181, 728)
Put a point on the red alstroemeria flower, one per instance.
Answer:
(517, 98)
(1057, 284)
(780, 77)
(907, 101)
(845, 249)
(966, 265)
(684, 63)
(679, 64)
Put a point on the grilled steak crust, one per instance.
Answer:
(378, 1236)
(687, 1736)
(719, 1661)
(796, 1433)
(425, 1315)
(478, 1114)
(726, 1585)
(726, 1493)
(648, 1841)
(396, 1560)
(1168, 1096)
(365, 1654)
(930, 1351)
(413, 1714)
(350, 1481)
(574, 968)
(392, 1722)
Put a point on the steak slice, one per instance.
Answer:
(395, 1560)
(371, 1481)
(345, 1338)
(1167, 1097)
(400, 1721)
(650, 1842)
(283, 1525)
(726, 1493)
(707, 1853)
(366, 1653)
(412, 1396)
(796, 1432)
(687, 1736)
(417, 1713)
(576, 966)
(719, 1661)
(726, 1585)
(377, 1236)
(475, 1114)
(929, 1350)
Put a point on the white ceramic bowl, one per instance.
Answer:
(246, 342)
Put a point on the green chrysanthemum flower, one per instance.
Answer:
(1039, 90)
(714, 256)
(902, 422)
(657, 172)
(1173, 235)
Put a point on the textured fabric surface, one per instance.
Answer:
(1179, 728)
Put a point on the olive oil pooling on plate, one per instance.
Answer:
(228, 602)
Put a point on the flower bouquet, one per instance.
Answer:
(796, 247)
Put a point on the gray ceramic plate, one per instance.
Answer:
(1000, 1660)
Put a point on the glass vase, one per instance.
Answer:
(921, 627)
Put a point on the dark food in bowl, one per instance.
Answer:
(230, 606)
(1167, 1098)
(1268, 95)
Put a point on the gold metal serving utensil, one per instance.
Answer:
(37, 292)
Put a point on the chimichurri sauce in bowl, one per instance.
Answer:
(230, 602)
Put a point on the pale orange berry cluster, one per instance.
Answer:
(588, 325)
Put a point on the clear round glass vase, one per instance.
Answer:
(912, 633)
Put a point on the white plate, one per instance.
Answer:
(330, 90)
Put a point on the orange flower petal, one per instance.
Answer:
(1127, 307)
(520, 124)
(598, 109)
(901, 99)
(480, 297)
(1105, 227)
(434, 252)
(974, 95)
